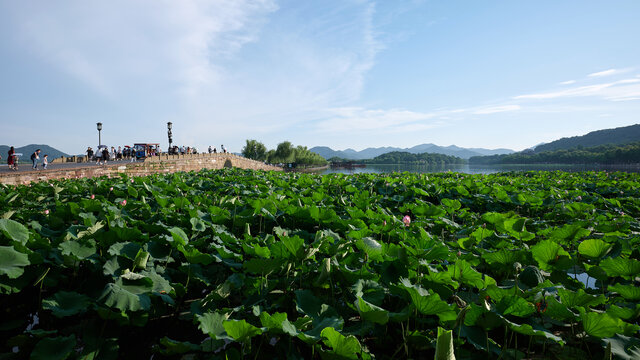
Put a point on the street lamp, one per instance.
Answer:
(169, 125)
(99, 129)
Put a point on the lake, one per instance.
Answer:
(482, 169)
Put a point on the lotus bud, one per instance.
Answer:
(111, 188)
(406, 220)
(46, 212)
(123, 202)
(93, 196)
(517, 266)
(384, 223)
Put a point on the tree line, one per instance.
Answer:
(604, 154)
(402, 157)
(284, 153)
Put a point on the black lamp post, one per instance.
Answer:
(169, 125)
(99, 129)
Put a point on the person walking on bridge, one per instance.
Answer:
(34, 159)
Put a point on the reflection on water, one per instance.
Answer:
(482, 169)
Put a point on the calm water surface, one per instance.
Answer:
(482, 169)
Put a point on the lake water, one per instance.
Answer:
(482, 169)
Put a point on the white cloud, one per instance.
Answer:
(496, 109)
(617, 90)
(604, 73)
(359, 119)
(568, 82)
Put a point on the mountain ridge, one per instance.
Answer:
(612, 136)
(370, 153)
(27, 150)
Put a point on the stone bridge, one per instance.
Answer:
(153, 165)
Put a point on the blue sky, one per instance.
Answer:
(344, 74)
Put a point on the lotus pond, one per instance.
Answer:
(239, 264)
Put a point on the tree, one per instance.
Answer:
(284, 152)
(254, 150)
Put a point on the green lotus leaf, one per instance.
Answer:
(211, 324)
(371, 312)
(464, 273)
(573, 299)
(197, 224)
(430, 304)
(78, 249)
(12, 262)
(278, 323)
(128, 250)
(65, 303)
(58, 348)
(547, 253)
(594, 248)
(344, 346)
(626, 268)
(313, 336)
(115, 296)
(570, 232)
(600, 325)
(240, 330)
(179, 236)
(624, 313)
(132, 192)
(174, 347)
(629, 292)
(516, 306)
(624, 347)
(527, 329)
(371, 247)
(429, 210)
(14, 230)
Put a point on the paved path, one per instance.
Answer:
(4, 168)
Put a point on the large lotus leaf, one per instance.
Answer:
(12, 262)
(278, 323)
(580, 298)
(600, 325)
(179, 236)
(547, 253)
(629, 292)
(313, 336)
(504, 257)
(624, 347)
(569, 232)
(115, 296)
(371, 312)
(624, 313)
(211, 324)
(429, 210)
(197, 224)
(371, 247)
(65, 303)
(58, 348)
(464, 273)
(311, 305)
(240, 330)
(128, 250)
(344, 346)
(527, 329)
(195, 256)
(174, 347)
(594, 248)
(430, 304)
(626, 268)
(79, 250)
(14, 230)
(516, 306)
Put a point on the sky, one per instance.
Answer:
(338, 73)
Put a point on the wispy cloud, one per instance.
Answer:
(568, 82)
(496, 109)
(618, 90)
(604, 73)
(360, 119)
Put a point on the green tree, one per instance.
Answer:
(254, 150)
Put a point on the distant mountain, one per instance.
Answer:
(370, 153)
(615, 136)
(27, 150)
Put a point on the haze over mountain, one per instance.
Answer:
(370, 153)
(615, 136)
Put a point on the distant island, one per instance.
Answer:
(406, 158)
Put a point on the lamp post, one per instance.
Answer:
(169, 125)
(99, 129)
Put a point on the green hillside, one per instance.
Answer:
(27, 150)
(616, 136)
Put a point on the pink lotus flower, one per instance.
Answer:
(406, 220)
(111, 188)
(579, 198)
(123, 202)
(384, 223)
(93, 196)
(46, 212)
(132, 181)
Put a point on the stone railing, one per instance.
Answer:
(154, 165)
